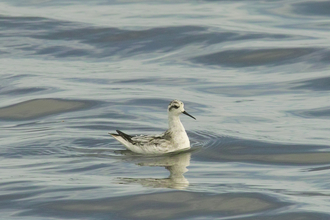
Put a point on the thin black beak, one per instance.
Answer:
(186, 113)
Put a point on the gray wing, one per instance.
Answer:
(157, 140)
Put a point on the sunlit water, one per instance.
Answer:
(255, 74)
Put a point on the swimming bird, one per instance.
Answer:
(174, 139)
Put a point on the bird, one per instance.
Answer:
(172, 140)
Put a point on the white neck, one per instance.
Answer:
(174, 123)
(179, 136)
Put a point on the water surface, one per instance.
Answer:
(255, 74)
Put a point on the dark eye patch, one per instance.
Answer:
(174, 106)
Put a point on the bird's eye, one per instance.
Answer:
(176, 106)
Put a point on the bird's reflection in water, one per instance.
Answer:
(175, 163)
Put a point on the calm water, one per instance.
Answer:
(255, 74)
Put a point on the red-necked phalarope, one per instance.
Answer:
(174, 139)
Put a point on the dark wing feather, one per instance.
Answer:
(125, 136)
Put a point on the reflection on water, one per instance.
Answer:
(246, 58)
(176, 164)
(242, 150)
(168, 205)
(40, 107)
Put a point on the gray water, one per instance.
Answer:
(255, 74)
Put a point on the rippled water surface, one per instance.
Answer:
(255, 74)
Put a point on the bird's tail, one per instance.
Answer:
(123, 138)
